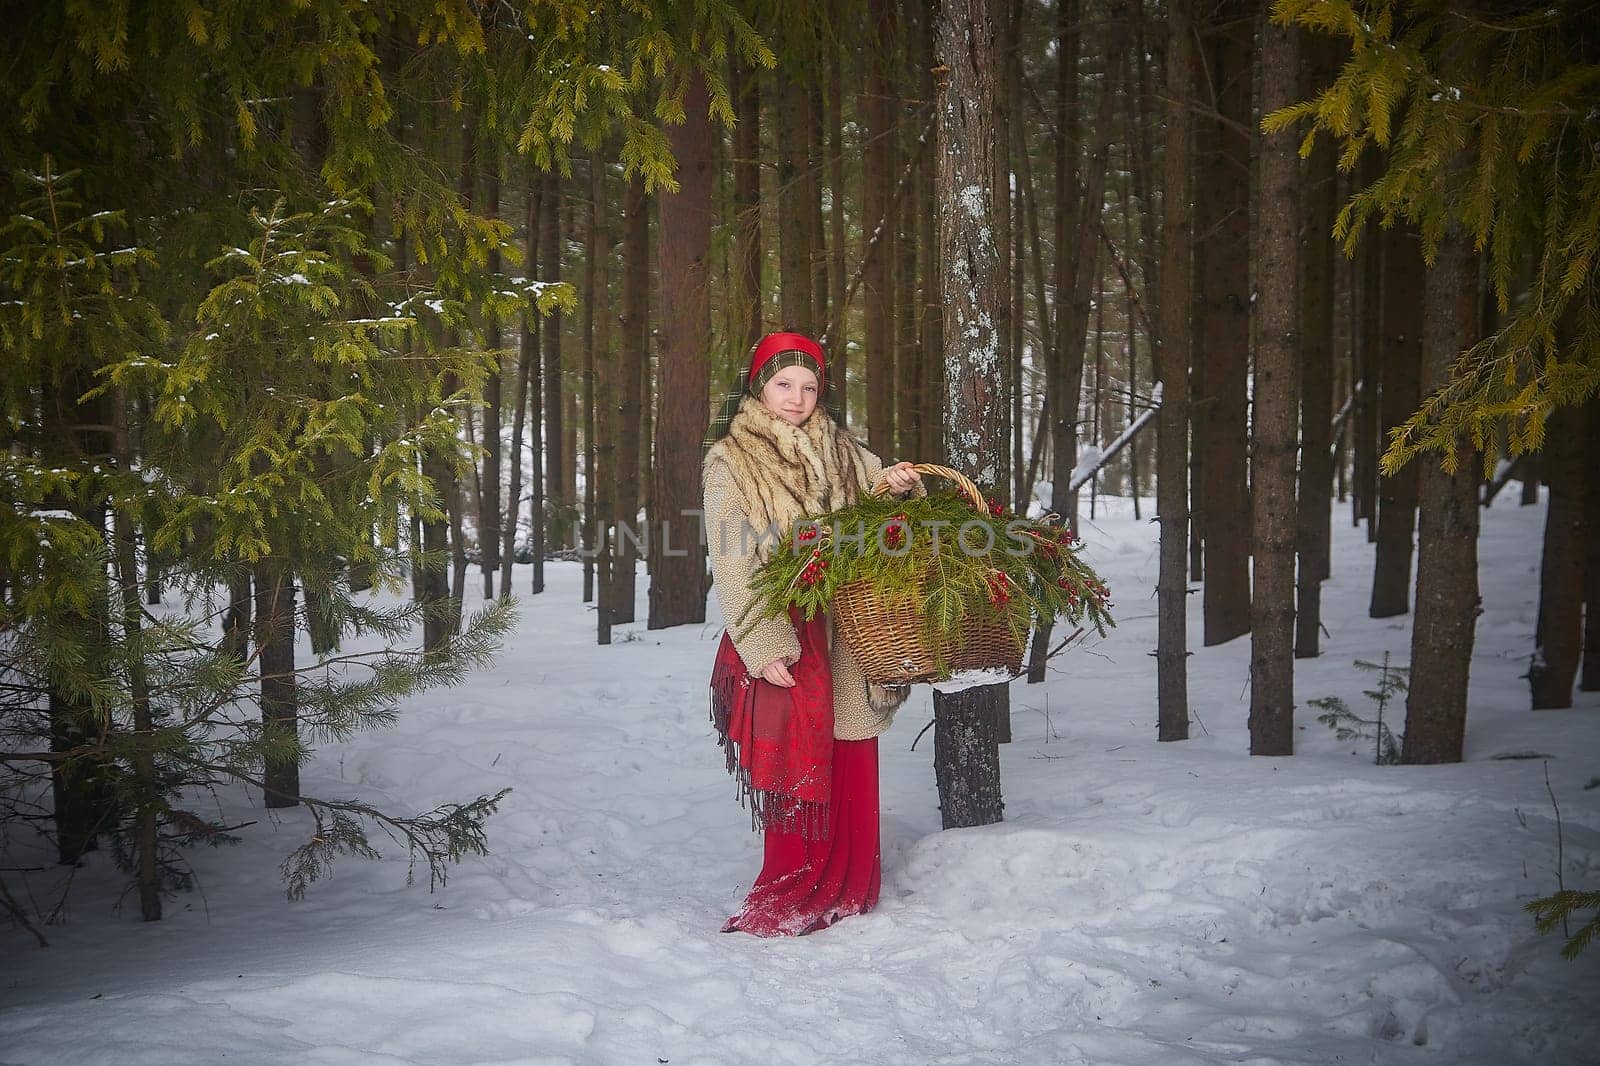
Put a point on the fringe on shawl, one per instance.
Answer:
(768, 809)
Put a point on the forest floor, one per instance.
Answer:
(1141, 904)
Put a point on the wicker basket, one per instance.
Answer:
(886, 636)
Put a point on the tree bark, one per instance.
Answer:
(745, 87)
(838, 342)
(966, 750)
(1172, 366)
(1400, 396)
(279, 700)
(605, 450)
(1558, 636)
(489, 517)
(1277, 403)
(557, 506)
(1319, 180)
(1222, 320)
(794, 224)
(677, 571)
(1589, 680)
(879, 166)
(632, 366)
(1447, 544)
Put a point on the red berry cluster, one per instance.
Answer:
(894, 531)
(808, 534)
(995, 509)
(1000, 589)
(813, 569)
(1102, 595)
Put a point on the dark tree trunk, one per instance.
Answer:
(745, 86)
(236, 619)
(1319, 204)
(533, 344)
(557, 505)
(1589, 680)
(677, 570)
(1172, 366)
(910, 370)
(966, 749)
(81, 785)
(794, 224)
(527, 358)
(1447, 542)
(877, 282)
(632, 367)
(605, 450)
(146, 784)
(1222, 326)
(1400, 396)
(838, 344)
(591, 275)
(275, 628)
(1364, 420)
(1277, 408)
(1558, 637)
(489, 520)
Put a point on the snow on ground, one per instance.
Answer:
(1141, 904)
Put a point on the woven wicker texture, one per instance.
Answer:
(885, 635)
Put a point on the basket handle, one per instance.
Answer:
(963, 482)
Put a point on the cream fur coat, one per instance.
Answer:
(766, 474)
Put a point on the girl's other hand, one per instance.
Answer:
(902, 477)
(776, 673)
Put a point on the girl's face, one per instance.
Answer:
(791, 394)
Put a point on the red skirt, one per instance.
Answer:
(808, 883)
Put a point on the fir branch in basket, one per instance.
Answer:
(940, 549)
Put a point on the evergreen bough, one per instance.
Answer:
(956, 562)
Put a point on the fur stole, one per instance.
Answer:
(786, 472)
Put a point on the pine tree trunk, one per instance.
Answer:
(745, 87)
(489, 520)
(1010, 129)
(910, 382)
(146, 785)
(877, 195)
(279, 700)
(533, 345)
(1319, 64)
(1400, 397)
(236, 619)
(1369, 358)
(605, 451)
(1447, 543)
(1222, 326)
(794, 225)
(591, 274)
(816, 238)
(558, 506)
(1277, 407)
(838, 341)
(81, 785)
(1558, 636)
(527, 356)
(1589, 680)
(1172, 366)
(966, 751)
(928, 444)
(633, 365)
(677, 571)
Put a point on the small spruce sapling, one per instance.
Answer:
(1347, 725)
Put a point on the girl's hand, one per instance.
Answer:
(902, 477)
(776, 673)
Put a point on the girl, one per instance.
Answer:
(797, 718)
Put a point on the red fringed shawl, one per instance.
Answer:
(779, 741)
